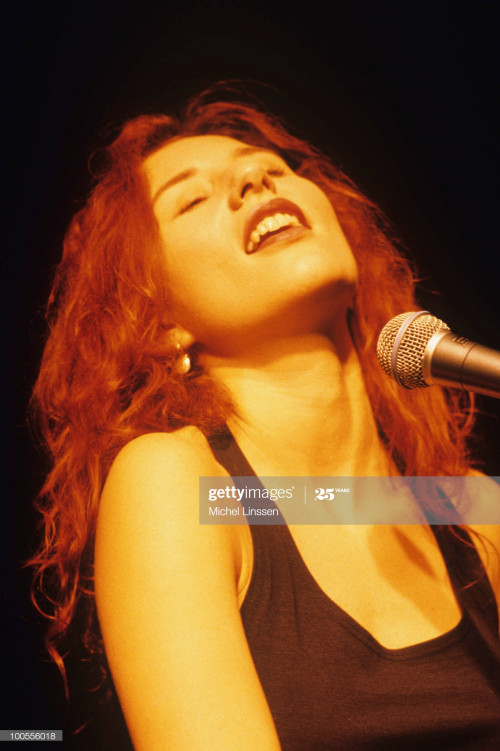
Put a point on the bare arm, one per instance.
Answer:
(167, 601)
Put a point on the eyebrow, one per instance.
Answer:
(186, 174)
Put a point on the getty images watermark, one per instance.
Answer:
(350, 500)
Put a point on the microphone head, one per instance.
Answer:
(402, 343)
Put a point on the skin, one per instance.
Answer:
(226, 299)
(272, 329)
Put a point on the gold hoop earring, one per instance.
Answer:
(183, 361)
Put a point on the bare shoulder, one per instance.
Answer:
(168, 592)
(182, 455)
(152, 493)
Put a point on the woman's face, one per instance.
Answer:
(251, 248)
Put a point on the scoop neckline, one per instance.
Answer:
(343, 618)
(346, 620)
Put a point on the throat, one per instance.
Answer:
(306, 416)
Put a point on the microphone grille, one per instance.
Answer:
(401, 346)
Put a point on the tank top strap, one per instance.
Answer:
(229, 455)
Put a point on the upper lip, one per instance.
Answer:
(274, 206)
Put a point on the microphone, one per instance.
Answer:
(417, 350)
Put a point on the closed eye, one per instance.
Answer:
(277, 168)
(191, 205)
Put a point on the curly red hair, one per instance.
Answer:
(107, 375)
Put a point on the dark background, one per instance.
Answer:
(402, 96)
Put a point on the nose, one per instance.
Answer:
(249, 179)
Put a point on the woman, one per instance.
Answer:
(215, 314)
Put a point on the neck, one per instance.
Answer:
(301, 408)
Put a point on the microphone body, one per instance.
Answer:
(452, 360)
(418, 350)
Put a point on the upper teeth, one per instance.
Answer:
(270, 224)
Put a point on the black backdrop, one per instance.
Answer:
(403, 96)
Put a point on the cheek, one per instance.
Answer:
(198, 288)
(327, 211)
(342, 252)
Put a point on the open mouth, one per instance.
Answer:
(278, 218)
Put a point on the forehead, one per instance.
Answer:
(192, 152)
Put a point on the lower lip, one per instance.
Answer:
(284, 236)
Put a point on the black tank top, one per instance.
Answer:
(331, 685)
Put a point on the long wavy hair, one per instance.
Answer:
(107, 374)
